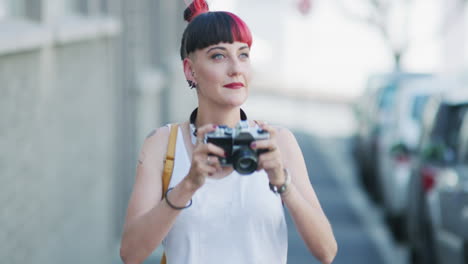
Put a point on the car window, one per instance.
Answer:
(387, 96)
(463, 139)
(446, 128)
(417, 106)
(429, 113)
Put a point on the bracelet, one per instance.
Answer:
(281, 189)
(173, 206)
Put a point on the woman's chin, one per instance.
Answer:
(235, 101)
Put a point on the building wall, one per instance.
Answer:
(57, 155)
(454, 34)
(81, 87)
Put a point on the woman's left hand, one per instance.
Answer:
(270, 161)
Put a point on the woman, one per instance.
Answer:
(211, 213)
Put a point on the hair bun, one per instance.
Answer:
(196, 8)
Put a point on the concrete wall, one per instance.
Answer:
(57, 155)
(79, 92)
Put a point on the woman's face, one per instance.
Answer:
(222, 73)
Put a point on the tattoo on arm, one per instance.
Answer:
(142, 156)
(151, 134)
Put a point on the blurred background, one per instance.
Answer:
(376, 92)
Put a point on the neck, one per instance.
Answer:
(221, 116)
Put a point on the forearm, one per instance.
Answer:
(312, 224)
(144, 234)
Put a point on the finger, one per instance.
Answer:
(201, 131)
(208, 170)
(213, 161)
(270, 165)
(200, 160)
(259, 166)
(270, 129)
(214, 150)
(264, 144)
(269, 156)
(209, 149)
(202, 166)
(267, 165)
(218, 166)
(260, 122)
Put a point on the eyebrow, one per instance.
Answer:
(223, 48)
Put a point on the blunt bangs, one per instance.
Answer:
(211, 28)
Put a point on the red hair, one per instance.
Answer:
(196, 8)
(240, 30)
(207, 28)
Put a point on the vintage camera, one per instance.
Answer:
(236, 143)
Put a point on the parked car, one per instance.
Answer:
(436, 152)
(447, 197)
(397, 143)
(371, 111)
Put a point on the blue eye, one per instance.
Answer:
(217, 56)
(244, 55)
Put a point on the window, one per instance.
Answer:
(70, 7)
(387, 96)
(104, 7)
(417, 107)
(3, 10)
(11, 8)
(464, 140)
(84, 7)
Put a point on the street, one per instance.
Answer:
(352, 225)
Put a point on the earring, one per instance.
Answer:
(192, 84)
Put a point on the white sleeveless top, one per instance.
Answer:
(236, 219)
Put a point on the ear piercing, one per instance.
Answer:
(192, 84)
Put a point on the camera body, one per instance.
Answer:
(236, 144)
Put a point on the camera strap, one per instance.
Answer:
(193, 128)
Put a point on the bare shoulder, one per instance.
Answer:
(284, 135)
(147, 190)
(287, 142)
(157, 133)
(154, 145)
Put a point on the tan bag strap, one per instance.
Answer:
(170, 156)
(169, 166)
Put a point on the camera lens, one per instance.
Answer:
(245, 161)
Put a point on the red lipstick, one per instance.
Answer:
(235, 85)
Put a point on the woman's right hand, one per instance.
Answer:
(205, 160)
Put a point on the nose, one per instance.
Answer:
(236, 67)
